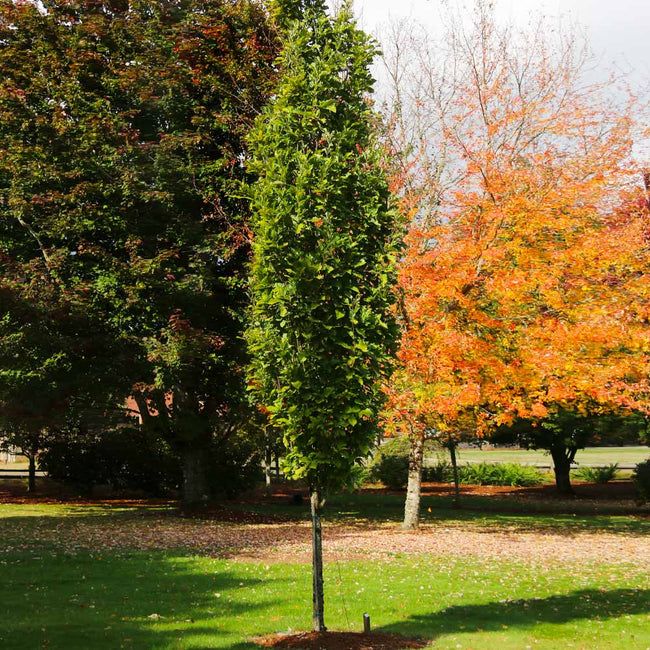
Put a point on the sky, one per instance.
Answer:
(618, 30)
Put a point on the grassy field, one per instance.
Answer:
(159, 600)
(588, 456)
(59, 595)
(19, 464)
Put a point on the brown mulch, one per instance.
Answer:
(612, 491)
(14, 491)
(339, 641)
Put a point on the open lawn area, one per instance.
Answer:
(625, 456)
(141, 575)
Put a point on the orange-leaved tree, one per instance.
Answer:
(525, 283)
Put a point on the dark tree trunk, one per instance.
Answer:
(562, 459)
(413, 490)
(318, 599)
(31, 481)
(195, 479)
(454, 468)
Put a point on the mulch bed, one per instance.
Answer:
(52, 492)
(339, 641)
(612, 491)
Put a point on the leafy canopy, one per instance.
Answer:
(326, 240)
(121, 139)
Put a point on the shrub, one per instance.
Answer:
(235, 465)
(125, 459)
(358, 477)
(391, 463)
(641, 480)
(600, 475)
(509, 474)
(441, 472)
(128, 459)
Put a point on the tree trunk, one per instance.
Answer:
(562, 459)
(413, 490)
(195, 479)
(31, 481)
(268, 460)
(454, 467)
(318, 616)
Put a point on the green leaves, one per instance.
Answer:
(322, 333)
(121, 148)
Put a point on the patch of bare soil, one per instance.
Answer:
(339, 641)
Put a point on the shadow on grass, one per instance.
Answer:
(132, 600)
(496, 616)
(485, 512)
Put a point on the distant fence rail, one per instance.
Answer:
(19, 473)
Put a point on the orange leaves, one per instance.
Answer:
(526, 280)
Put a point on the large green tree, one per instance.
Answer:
(49, 349)
(325, 245)
(122, 146)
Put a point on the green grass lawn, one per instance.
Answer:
(588, 456)
(21, 463)
(159, 600)
(538, 515)
(74, 599)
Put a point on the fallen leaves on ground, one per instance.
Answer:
(247, 536)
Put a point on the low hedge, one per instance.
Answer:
(508, 474)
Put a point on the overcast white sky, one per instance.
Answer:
(618, 30)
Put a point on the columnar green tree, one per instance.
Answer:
(325, 245)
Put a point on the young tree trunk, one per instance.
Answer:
(413, 490)
(318, 599)
(454, 467)
(268, 460)
(31, 481)
(562, 459)
(195, 479)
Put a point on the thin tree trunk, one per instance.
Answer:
(318, 599)
(454, 467)
(31, 481)
(413, 490)
(268, 460)
(562, 459)
(195, 480)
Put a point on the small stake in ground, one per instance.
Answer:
(366, 623)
